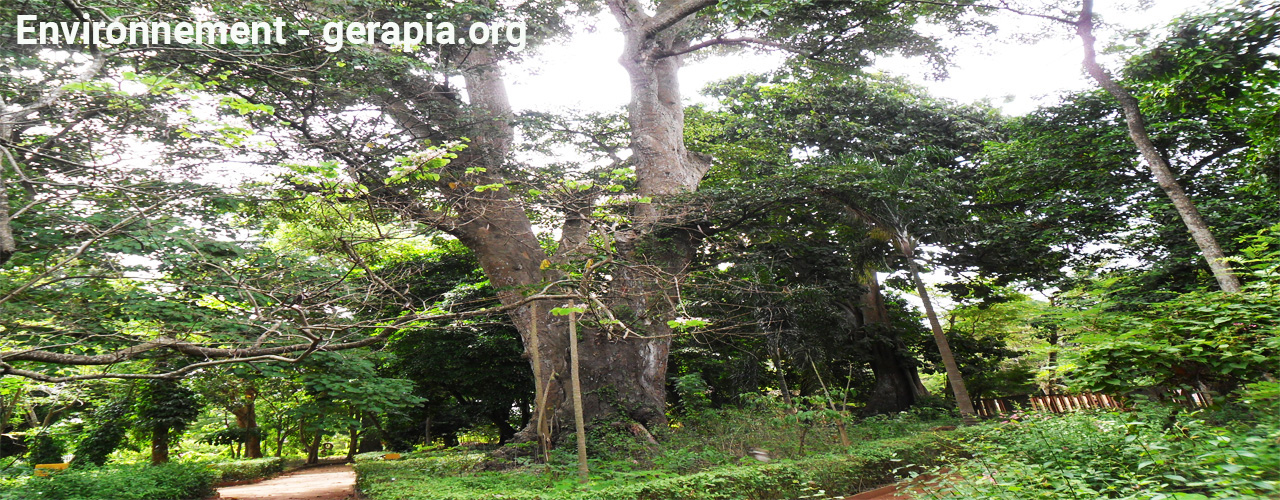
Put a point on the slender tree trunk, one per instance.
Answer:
(579, 425)
(1209, 248)
(908, 248)
(782, 377)
(844, 436)
(159, 444)
(247, 419)
(313, 449)
(426, 432)
(353, 442)
(281, 435)
(539, 390)
(371, 436)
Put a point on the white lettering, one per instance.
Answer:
(333, 37)
(482, 38)
(517, 41)
(23, 29)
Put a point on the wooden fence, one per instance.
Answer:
(1062, 403)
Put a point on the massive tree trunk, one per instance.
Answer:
(897, 382)
(1209, 247)
(623, 374)
(626, 374)
(655, 251)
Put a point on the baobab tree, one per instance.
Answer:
(359, 119)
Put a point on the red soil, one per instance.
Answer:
(330, 482)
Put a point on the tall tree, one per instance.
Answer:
(1209, 247)
(1206, 91)
(317, 105)
(646, 246)
(1139, 134)
(916, 190)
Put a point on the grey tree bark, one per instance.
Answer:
(1159, 166)
(908, 248)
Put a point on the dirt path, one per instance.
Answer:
(918, 487)
(330, 482)
(892, 492)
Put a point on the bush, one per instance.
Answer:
(110, 424)
(1215, 339)
(44, 449)
(173, 481)
(248, 470)
(765, 422)
(11, 486)
(1152, 454)
(863, 466)
(377, 455)
(444, 465)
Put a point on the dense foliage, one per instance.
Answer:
(1155, 453)
(214, 253)
(190, 481)
(706, 458)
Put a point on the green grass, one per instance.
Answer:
(455, 478)
(702, 458)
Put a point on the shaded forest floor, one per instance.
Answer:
(1152, 450)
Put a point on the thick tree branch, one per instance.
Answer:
(668, 17)
(80, 250)
(213, 356)
(721, 40)
(574, 232)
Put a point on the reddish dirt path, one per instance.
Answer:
(891, 492)
(330, 482)
(918, 487)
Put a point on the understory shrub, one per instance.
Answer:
(1157, 453)
(713, 438)
(859, 467)
(43, 448)
(248, 470)
(173, 481)
(109, 426)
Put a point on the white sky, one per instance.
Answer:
(584, 73)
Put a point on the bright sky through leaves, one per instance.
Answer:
(584, 73)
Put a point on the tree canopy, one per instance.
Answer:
(245, 245)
